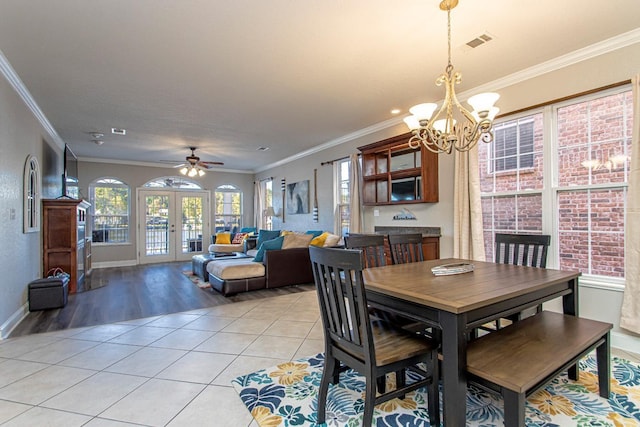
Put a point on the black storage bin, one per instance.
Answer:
(47, 293)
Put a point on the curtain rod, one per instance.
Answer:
(330, 162)
(269, 178)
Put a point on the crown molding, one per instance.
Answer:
(10, 75)
(154, 165)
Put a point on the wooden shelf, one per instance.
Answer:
(393, 173)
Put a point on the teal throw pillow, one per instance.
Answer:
(314, 233)
(268, 245)
(264, 235)
(247, 230)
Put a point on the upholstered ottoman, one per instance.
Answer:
(236, 275)
(48, 293)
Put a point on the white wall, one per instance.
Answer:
(20, 254)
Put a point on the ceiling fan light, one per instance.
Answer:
(200, 172)
(423, 111)
(184, 170)
(192, 172)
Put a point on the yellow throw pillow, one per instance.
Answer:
(223, 238)
(319, 241)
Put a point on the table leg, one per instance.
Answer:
(570, 306)
(454, 369)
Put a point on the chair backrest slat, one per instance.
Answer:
(522, 249)
(406, 248)
(343, 305)
(372, 246)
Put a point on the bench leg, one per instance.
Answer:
(513, 408)
(603, 357)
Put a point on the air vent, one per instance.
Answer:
(262, 148)
(117, 131)
(480, 40)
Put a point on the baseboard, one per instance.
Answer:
(109, 264)
(14, 320)
(625, 342)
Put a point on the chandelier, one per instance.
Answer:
(192, 171)
(453, 126)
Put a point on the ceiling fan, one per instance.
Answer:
(194, 166)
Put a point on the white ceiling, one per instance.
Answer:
(232, 76)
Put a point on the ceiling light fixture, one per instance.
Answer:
(453, 126)
(192, 171)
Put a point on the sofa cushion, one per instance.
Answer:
(268, 245)
(264, 235)
(248, 230)
(223, 238)
(296, 240)
(235, 269)
(225, 248)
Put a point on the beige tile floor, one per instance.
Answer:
(171, 370)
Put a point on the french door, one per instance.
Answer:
(172, 225)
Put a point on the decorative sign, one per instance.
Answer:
(405, 214)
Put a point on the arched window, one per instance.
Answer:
(176, 182)
(31, 203)
(228, 209)
(110, 205)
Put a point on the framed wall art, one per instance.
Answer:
(298, 198)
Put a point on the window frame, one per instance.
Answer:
(342, 186)
(228, 189)
(92, 196)
(551, 189)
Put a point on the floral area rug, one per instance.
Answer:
(286, 395)
(196, 280)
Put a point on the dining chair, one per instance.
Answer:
(406, 248)
(372, 246)
(371, 347)
(519, 249)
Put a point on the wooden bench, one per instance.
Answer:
(521, 358)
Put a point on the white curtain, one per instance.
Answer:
(355, 212)
(468, 238)
(258, 205)
(630, 312)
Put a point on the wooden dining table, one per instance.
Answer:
(456, 304)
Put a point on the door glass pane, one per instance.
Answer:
(191, 224)
(157, 228)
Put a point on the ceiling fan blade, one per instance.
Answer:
(180, 165)
(210, 164)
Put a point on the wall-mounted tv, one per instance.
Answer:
(70, 175)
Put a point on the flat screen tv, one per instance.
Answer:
(70, 175)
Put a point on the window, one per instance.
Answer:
(512, 146)
(594, 145)
(574, 190)
(342, 193)
(228, 209)
(31, 202)
(110, 200)
(267, 190)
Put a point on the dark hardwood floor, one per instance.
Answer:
(125, 293)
